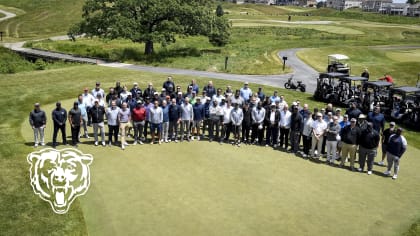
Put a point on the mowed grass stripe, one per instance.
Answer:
(202, 188)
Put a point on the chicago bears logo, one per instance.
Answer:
(59, 176)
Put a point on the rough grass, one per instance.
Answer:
(207, 189)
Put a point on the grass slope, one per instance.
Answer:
(224, 191)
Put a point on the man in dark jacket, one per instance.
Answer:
(272, 118)
(59, 117)
(97, 114)
(246, 124)
(174, 119)
(396, 147)
(38, 121)
(368, 145)
(296, 125)
(349, 138)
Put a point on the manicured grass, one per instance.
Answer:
(40, 19)
(207, 188)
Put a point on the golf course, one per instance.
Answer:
(201, 187)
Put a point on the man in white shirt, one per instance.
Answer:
(318, 129)
(246, 92)
(186, 118)
(227, 109)
(236, 117)
(285, 117)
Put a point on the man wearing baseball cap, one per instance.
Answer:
(349, 135)
(59, 116)
(396, 147)
(385, 138)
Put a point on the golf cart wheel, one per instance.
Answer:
(302, 89)
(287, 85)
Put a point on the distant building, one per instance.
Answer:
(374, 5)
(414, 10)
(343, 4)
(400, 9)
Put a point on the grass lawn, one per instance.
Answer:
(227, 190)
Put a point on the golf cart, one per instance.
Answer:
(375, 93)
(349, 89)
(336, 63)
(326, 87)
(403, 105)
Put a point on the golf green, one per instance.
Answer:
(203, 188)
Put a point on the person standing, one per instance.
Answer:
(98, 90)
(332, 131)
(307, 134)
(227, 124)
(258, 116)
(124, 119)
(155, 119)
(75, 120)
(272, 120)
(87, 100)
(187, 116)
(296, 123)
(353, 111)
(377, 119)
(368, 145)
(236, 117)
(206, 120)
(349, 138)
(174, 119)
(397, 145)
(318, 129)
(97, 114)
(246, 92)
(83, 106)
(246, 123)
(38, 121)
(59, 117)
(138, 115)
(165, 121)
(285, 118)
(365, 73)
(216, 114)
(113, 126)
(198, 110)
(385, 138)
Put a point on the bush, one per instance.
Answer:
(40, 64)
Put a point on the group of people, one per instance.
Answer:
(173, 115)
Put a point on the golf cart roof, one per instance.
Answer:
(407, 89)
(378, 83)
(338, 57)
(354, 78)
(332, 75)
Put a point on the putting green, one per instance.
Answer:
(404, 55)
(202, 188)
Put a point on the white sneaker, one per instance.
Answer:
(87, 136)
(140, 142)
(198, 138)
(359, 169)
(192, 138)
(96, 143)
(387, 173)
(122, 146)
(126, 144)
(135, 142)
(394, 177)
(36, 145)
(369, 172)
(103, 144)
(42, 144)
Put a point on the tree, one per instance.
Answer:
(144, 21)
(219, 11)
(412, 1)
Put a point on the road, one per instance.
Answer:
(301, 71)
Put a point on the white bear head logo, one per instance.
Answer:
(59, 176)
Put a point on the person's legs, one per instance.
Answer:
(333, 150)
(313, 145)
(396, 165)
(55, 132)
(344, 153)
(95, 132)
(123, 127)
(36, 138)
(319, 145)
(353, 149)
(329, 150)
(286, 138)
(63, 133)
(362, 157)
(370, 159)
(183, 123)
(390, 160)
(102, 129)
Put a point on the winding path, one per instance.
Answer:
(301, 70)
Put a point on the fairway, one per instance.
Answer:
(202, 188)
